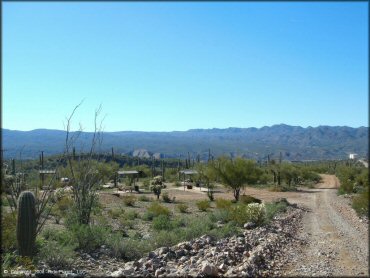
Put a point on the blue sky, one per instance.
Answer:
(182, 65)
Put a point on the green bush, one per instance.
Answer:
(126, 223)
(256, 213)
(162, 222)
(309, 176)
(183, 208)
(275, 208)
(156, 209)
(196, 227)
(227, 230)
(115, 213)
(144, 198)
(167, 238)
(88, 237)
(4, 201)
(203, 205)
(128, 249)
(247, 199)
(8, 225)
(129, 200)
(131, 215)
(9, 260)
(166, 197)
(62, 237)
(240, 214)
(360, 203)
(223, 204)
(64, 204)
(56, 256)
(222, 215)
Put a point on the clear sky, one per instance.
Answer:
(182, 65)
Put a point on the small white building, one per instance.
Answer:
(352, 155)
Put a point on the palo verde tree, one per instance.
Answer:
(237, 173)
(83, 170)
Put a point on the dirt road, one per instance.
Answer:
(335, 239)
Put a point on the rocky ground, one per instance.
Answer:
(257, 251)
(319, 235)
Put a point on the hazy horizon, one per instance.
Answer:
(190, 128)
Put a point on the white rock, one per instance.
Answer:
(117, 273)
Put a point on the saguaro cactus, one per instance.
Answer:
(26, 225)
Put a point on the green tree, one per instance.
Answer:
(289, 173)
(237, 173)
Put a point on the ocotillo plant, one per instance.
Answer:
(26, 225)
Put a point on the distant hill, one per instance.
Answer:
(295, 142)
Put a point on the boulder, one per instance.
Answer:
(209, 269)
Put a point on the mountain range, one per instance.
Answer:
(293, 142)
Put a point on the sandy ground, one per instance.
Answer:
(336, 238)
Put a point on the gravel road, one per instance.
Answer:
(335, 238)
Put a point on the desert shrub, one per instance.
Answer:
(222, 215)
(156, 209)
(4, 201)
(166, 238)
(88, 237)
(56, 214)
(241, 213)
(62, 237)
(238, 214)
(131, 215)
(8, 225)
(223, 204)
(144, 198)
(55, 255)
(347, 177)
(309, 176)
(227, 230)
(183, 208)
(64, 204)
(256, 213)
(275, 208)
(9, 260)
(129, 200)
(360, 203)
(281, 188)
(166, 197)
(125, 222)
(25, 263)
(99, 220)
(162, 222)
(12, 261)
(203, 205)
(148, 216)
(115, 213)
(247, 199)
(129, 249)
